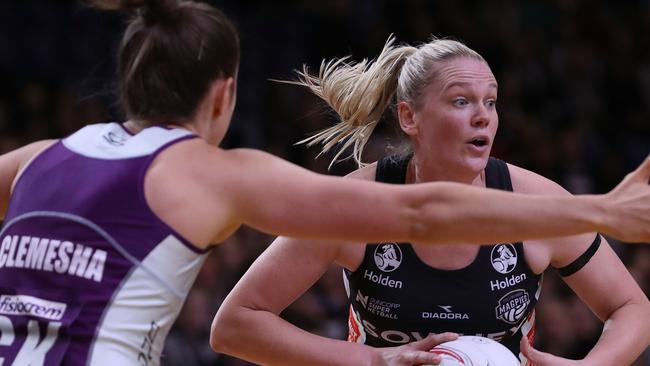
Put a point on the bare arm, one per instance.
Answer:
(603, 284)
(224, 189)
(297, 203)
(609, 290)
(249, 315)
(248, 326)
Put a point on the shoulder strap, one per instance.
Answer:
(497, 175)
(392, 169)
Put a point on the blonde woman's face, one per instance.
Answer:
(457, 118)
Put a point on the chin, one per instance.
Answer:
(476, 164)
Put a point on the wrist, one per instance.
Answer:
(599, 213)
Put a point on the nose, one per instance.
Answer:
(481, 117)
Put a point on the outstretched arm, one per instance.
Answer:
(226, 189)
(294, 202)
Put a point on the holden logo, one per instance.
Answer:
(504, 258)
(388, 257)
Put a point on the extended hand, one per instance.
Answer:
(416, 353)
(628, 206)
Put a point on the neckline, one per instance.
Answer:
(125, 129)
(471, 266)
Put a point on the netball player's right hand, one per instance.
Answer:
(412, 354)
(627, 207)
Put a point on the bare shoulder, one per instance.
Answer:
(206, 193)
(350, 254)
(196, 160)
(526, 181)
(186, 186)
(16, 160)
(25, 154)
(11, 166)
(557, 252)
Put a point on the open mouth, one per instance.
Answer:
(479, 142)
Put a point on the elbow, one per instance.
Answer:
(422, 225)
(642, 303)
(637, 313)
(222, 332)
(428, 218)
(216, 338)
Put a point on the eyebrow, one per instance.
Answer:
(465, 84)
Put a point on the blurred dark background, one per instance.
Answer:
(574, 106)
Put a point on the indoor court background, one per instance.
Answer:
(574, 106)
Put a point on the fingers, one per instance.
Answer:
(420, 354)
(433, 340)
(524, 346)
(422, 358)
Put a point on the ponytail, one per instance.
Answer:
(358, 92)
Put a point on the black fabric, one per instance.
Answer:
(396, 298)
(497, 175)
(582, 260)
(392, 169)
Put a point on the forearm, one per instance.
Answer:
(265, 338)
(473, 215)
(625, 335)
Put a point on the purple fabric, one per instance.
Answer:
(110, 194)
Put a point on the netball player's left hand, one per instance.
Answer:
(413, 354)
(538, 358)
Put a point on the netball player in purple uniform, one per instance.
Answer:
(400, 292)
(105, 230)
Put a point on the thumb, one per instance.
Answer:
(433, 340)
(533, 355)
(643, 171)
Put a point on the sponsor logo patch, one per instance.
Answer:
(447, 314)
(384, 309)
(504, 258)
(388, 257)
(507, 282)
(115, 139)
(31, 306)
(381, 279)
(512, 306)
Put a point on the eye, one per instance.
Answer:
(491, 103)
(460, 102)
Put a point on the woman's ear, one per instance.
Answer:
(231, 91)
(405, 115)
(223, 94)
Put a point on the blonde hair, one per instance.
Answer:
(360, 92)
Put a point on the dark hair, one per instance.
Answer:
(170, 54)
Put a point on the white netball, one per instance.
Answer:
(475, 351)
